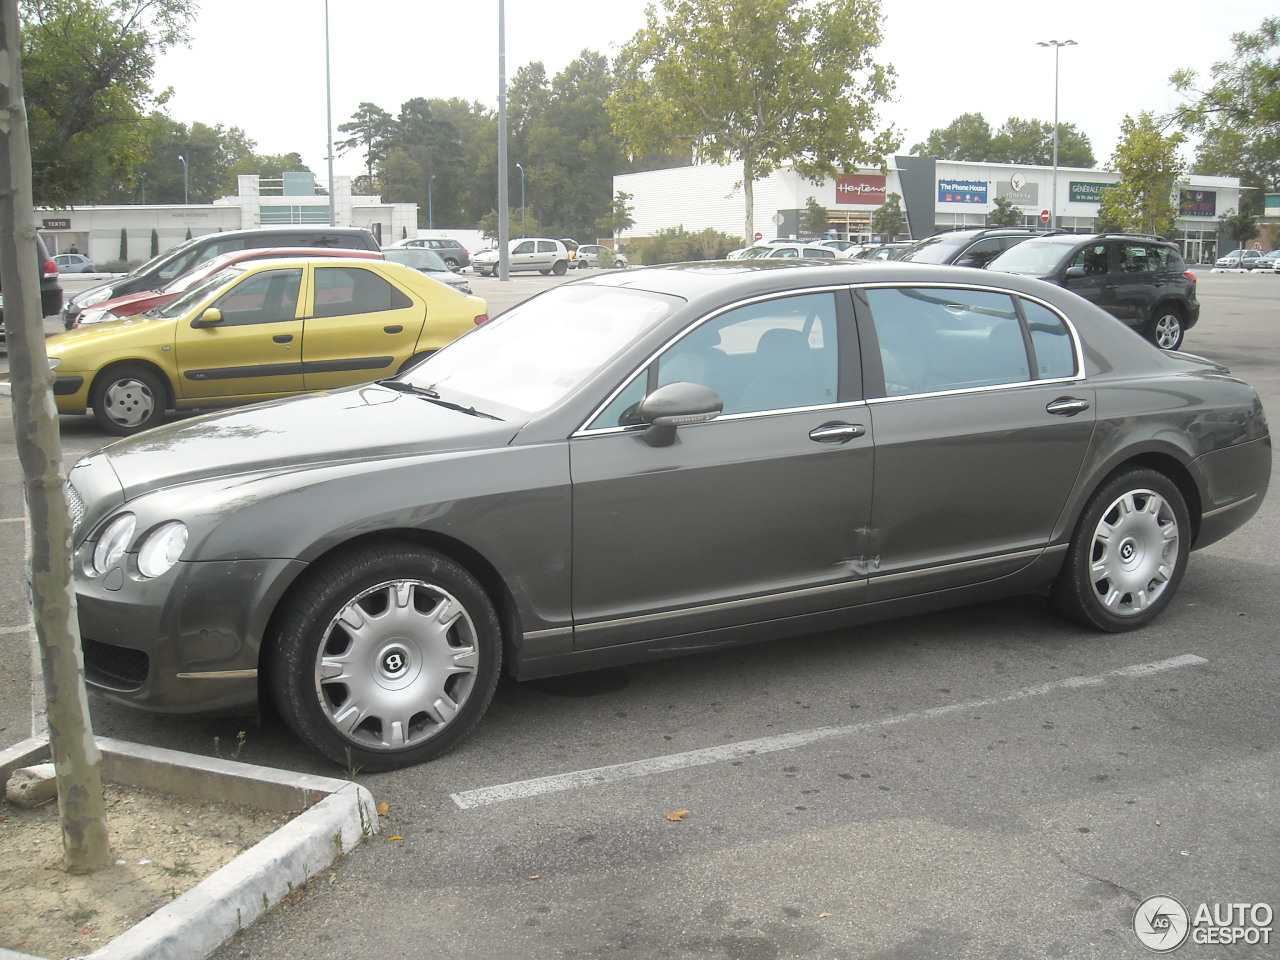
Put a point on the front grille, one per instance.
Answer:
(75, 506)
(116, 668)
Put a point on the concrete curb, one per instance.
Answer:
(335, 816)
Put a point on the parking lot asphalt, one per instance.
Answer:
(988, 782)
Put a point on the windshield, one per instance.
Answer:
(1034, 258)
(934, 249)
(531, 357)
(416, 257)
(180, 305)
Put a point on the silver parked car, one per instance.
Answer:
(426, 260)
(642, 463)
(598, 255)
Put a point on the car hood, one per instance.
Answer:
(362, 424)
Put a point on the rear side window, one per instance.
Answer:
(934, 340)
(1051, 342)
(344, 291)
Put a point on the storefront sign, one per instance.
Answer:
(1017, 190)
(868, 189)
(1198, 203)
(962, 191)
(1084, 191)
(56, 223)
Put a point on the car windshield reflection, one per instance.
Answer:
(531, 357)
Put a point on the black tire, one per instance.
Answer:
(561, 268)
(619, 264)
(451, 263)
(128, 399)
(1166, 327)
(418, 682)
(1128, 553)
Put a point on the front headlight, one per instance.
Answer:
(90, 298)
(162, 548)
(112, 544)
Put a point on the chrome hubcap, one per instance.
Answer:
(1134, 552)
(397, 664)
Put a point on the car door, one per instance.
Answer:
(254, 349)
(760, 513)
(360, 326)
(524, 255)
(981, 429)
(1090, 273)
(1137, 280)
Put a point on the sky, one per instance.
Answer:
(260, 64)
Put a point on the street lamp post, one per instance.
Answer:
(328, 115)
(1053, 201)
(430, 212)
(186, 182)
(521, 169)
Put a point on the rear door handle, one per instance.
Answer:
(397, 328)
(837, 432)
(1067, 406)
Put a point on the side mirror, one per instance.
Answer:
(675, 405)
(1075, 272)
(210, 318)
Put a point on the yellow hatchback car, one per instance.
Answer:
(256, 331)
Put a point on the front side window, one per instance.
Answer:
(934, 339)
(268, 297)
(1093, 259)
(525, 246)
(778, 354)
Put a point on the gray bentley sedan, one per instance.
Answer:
(638, 464)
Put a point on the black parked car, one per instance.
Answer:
(651, 462)
(50, 288)
(1138, 278)
(161, 270)
(967, 248)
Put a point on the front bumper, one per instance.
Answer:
(187, 642)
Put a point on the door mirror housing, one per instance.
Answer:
(210, 318)
(675, 405)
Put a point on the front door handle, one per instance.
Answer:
(837, 432)
(283, 338)
(1067, 406)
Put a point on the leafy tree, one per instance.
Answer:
(1237, 113)
(1146, 198)
(814, 221)
(1240, 227)
(88, 66)
(759, 82)
(888, 221)
(1030, 142)
(1006, 214)
(619, 216)
(967, 137)
(517, 226)
(371, 128)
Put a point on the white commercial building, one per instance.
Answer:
(135, 231)
(936, 195)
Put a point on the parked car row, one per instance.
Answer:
(50, 288)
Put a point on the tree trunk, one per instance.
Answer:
(749, 195)
(76, 758)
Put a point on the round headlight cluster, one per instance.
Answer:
(158, 551)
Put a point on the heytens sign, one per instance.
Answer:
(867, 189)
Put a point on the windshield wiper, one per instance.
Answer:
(427, 393)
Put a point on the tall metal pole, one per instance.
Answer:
(522, 213)
(186, 183)
(1057, 45)
(328, 110)
(431, 220)
(504, 256)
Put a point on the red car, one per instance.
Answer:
(132, 304)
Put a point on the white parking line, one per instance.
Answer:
(484, 796)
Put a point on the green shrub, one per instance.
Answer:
(678, 245)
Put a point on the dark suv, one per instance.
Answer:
(1140, 279)
(967, 248)
(50, 288)
(159, 271)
